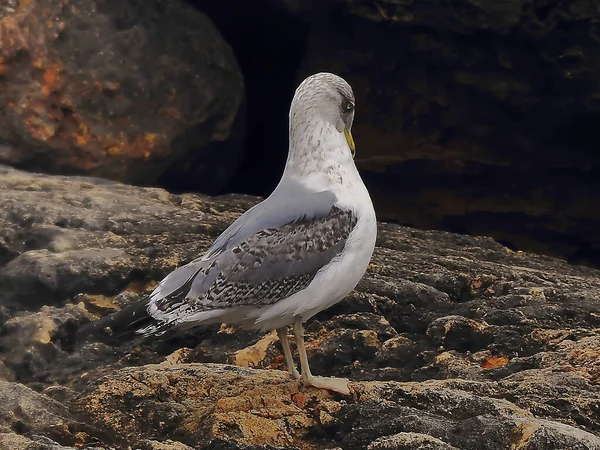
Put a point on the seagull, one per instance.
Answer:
(298, 252)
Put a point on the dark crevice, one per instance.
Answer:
(269, 44)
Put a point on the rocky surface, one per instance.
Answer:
(472, 116)
(123, 89)
(451, 341)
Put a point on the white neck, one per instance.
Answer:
(316, 146)
(320, 159)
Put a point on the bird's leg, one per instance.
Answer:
(333, 384)
(285, 345)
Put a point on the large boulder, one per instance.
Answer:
(123, 89)
(451, 341)
(472, 116)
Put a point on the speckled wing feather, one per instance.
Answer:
(267, 266)
(277, 262)
(291, 203)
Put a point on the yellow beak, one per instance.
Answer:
(350, 141)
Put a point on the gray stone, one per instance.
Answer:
(447, 336)
(131, 90)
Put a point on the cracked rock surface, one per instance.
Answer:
(450, 341)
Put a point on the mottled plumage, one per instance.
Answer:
(263, 268)
(296, 253)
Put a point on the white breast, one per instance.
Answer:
(337, 279)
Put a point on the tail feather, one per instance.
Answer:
(121, 323)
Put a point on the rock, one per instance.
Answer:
(457, 332)
(60, 239)
(26, 412)
(198, 404)
(446, 336)
(13, 441)
(33, 341)
(254, 355)
(456, 413)
(126, 90)
(409, 441)
(455, 128)
(166, 445)
(57, 242)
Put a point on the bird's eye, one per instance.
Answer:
(349, 106)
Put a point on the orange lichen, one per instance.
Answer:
(150, 138)
(42, 121)
(586, 360)
(141, 147)
(51, 80)
(50, 116)
(14, 36)
(299, 400)
(494, 362)
(81, 140)
(140, 287)
(277, 362)
(254, 355)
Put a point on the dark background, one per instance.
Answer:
(478, 117)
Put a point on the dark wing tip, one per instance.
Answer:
(120, 324)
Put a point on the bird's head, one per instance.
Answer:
(328, 97)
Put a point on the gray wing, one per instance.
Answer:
(287, 204)
(268, 254)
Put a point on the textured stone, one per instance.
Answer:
(123, 89)
(24, 411)
(409, 441)
(447, 336)
(199, 403)
(13, 441)
(203, 403)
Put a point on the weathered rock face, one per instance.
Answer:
(265, 407)
(121, 89)
(472, 116)
(451, 342)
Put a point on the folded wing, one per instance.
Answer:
(262, 268)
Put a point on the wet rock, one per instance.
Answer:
(120, 89)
